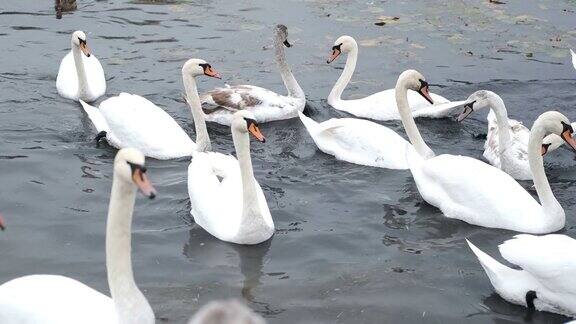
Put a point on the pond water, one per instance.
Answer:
(353, 244)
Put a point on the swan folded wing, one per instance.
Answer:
(215, 189)
(138, 123)
(67, 79)
(95, 76)
(236, 98)
(362, 142)
(52, 299)
(551, 259)
(478, 193)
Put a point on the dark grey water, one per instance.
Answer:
(353, 244)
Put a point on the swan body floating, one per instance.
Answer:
(381, 105)
(361, 141)
(130, 120)
(226, 200)
(507, 151)
(53, 299)
(545, 281)
(266, 105)
(80, 76)
(478, 193)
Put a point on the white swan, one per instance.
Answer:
(381, 105)
(130, 120)
(80, 76)
(226, 200)
(478, 193)
(361, 141)
(512, 156)
(573, 58)
(263, 103)
(546, 279)
(51, 299)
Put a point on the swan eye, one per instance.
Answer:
(337, 47)
(82, 41)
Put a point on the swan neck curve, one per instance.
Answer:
(536, 161)
(131, 305)
(250, 206)
(203, 143)
(401, 92)
(501, 113)
(294, 89)
(345, 77)
(80, 71)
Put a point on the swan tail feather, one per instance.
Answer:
(310, 124)
(96, 117)
(496, 271)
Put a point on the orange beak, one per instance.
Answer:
(254, 130)
(84, 48)
(141, 180)
(333, 56)
(2, 224)
(212, 73)
(426, 94)
(567, 137)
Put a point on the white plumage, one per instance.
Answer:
(547, 263)
(358, 141)
(80, 75)
(381, 105)
(133, 121)
(225, 198)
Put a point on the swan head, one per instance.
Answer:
(129, 167)
(244, 121)
(196, 67)
(414, 80)
(2, 223)
(553, 122)
(344, 44)
(476, 101)
(282, 35)
(79, 40)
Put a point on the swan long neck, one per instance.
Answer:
(80, 71)
(203, 143)
(410, 127)
(345, 77)
(497, 105)
(294, 89)
(250, 206)
(536, 161)
(129, 301)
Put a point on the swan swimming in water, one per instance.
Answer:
(80, 76)
(266, 105)
(129, 120)
(545, 280)
(54, 299)
(381, 105)
(470, 190)
(507, 151)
